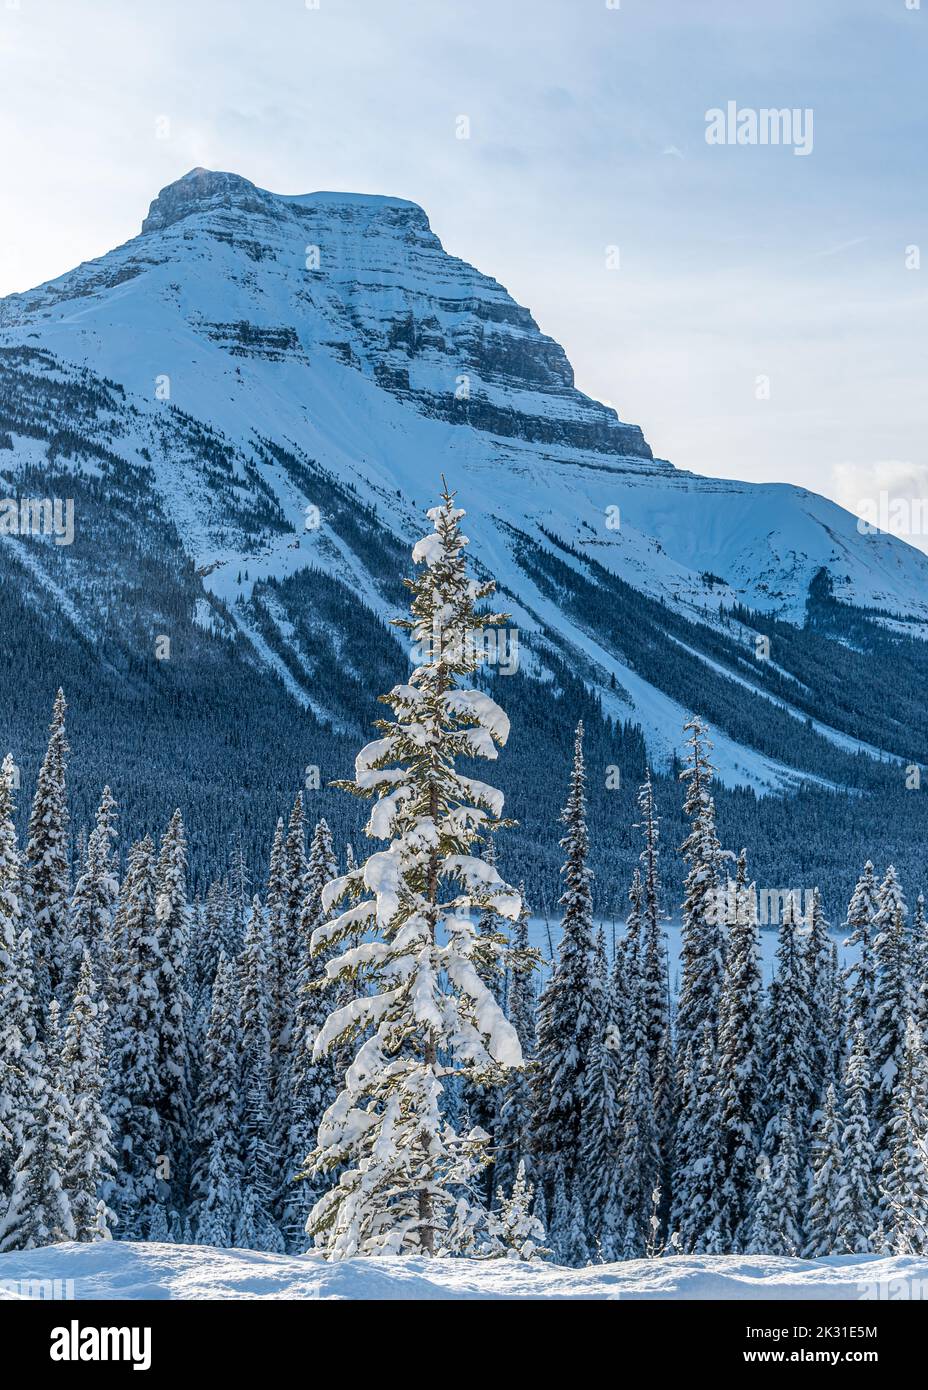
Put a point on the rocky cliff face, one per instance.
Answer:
(365, 280)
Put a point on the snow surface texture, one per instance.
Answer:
(336, 325)
(124, 1270)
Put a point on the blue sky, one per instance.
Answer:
(587, 131)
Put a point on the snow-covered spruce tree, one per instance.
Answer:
(284, 928)
(740, 1065)
(775, 1226)
(89, 1155)
(559, 1225)
(628, 972)
(216, 1184)
(406, 1174)
(172, 914)
(18, 1062)
(239, 899)
(515, 1114)
(789, 1042)
(639, 1175)
(698, 1212)
(640, 1167)
(820, 986)
(135, 1086)
(276, 894)
(483, 1102)
(285, 901)
(255, 1228)
(861, 976)
(522, 1232)
(159, 1229)
(893, 1003)
(838, 1040)
(919, 936)
(855, 1204)
(828, 1177)
(601, 1130)
(570, 1008)
(213, 933)
(48, 864)
(39, 1212)
(576, 1245)
(702, 939)
(93, 901)
(904, 1185)
(655, 984)
(313, 1081)
(294, 882)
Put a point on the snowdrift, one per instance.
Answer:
(125, 1270)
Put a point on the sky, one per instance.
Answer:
(759, 311)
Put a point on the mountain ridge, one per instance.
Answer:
(282, 378)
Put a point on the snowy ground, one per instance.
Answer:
(121, 1270)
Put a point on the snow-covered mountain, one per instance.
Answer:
(252, 364)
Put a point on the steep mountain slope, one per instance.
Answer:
(259, 393)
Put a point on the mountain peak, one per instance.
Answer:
(197, 187)
(200, 187)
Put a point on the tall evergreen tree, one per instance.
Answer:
(639, 1149)
(919, 937)
(740, 1061)
(790, 1074)
(698, 1210)
(239, 900)
(855, 1205)
(285, 927)
(277, 898)
(90, 1161)
(406, 1174)
(93, 902)
(255, 1227)
(576, 1245)
(286, 896)
(654, 976)
(655, 983)
(838, 1036)
(828, 1175)
(217, 1175)
(313, 1081)
(172, 914)
(861, 976)
(483, 1102)
(570, 1008)
(702, 938)
(599, 1178)
(776, 1222)
(894, 1001)
(18, 1062)
(213, 934)
(48, 863)
(905, 1168)
(39, 1212)
(136, 1084)
(820, 991)
(514, 1125)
